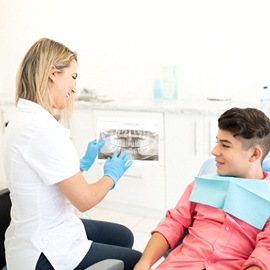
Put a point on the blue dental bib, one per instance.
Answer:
(246, 199)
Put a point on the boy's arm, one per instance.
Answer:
(154, 250)
(260, 257)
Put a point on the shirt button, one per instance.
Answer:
(227, 228)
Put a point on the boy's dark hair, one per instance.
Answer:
(251, 125)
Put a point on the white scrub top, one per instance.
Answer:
(38, 153)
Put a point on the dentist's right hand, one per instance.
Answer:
(91, 153)
(116, 166)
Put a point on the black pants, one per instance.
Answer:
(110, 241)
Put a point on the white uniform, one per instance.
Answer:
(38, 153)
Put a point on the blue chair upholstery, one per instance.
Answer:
(209, 166)
(266, 163)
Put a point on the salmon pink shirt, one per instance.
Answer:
(216, 240)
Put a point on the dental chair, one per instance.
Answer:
(5, 205)
(209, 167)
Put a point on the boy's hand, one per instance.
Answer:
(254, 267)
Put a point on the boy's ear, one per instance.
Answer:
(256, 153)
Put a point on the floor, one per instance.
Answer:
(141, 226)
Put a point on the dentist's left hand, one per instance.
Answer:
(116, 166)
(91, 153)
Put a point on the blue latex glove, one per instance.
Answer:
(116, 166)
(91, 153)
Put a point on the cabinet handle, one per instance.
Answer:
(2, 125)
(132, 176)
(212, 132)
(209, 138)
(195, 137)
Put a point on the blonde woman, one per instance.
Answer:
(44, 173)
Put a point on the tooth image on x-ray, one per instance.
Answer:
(142, 144)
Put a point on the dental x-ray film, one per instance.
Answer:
(140, 137)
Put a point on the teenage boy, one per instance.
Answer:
(226, 229)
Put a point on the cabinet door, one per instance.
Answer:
(142, 187)
(7, 113)
(184, 152)
(82, 131)
(211, 129)
(189, 139)
(1, 122)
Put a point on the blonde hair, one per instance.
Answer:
(32, 81)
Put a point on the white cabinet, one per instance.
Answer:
(189, 138)
(210, 133)
(7, 113)
(183, 152)
(142, 187)
(1, 123)
(185, 141)
(82, 131)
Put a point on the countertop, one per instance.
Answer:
(181, 106)
(150, 105)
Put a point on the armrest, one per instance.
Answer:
(109, 264)
(5, 205)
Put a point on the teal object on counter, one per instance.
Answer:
(246, 199)
(170, 82)
(157, 90)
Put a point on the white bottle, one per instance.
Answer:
(265, 97)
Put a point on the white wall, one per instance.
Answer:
(123, 44)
